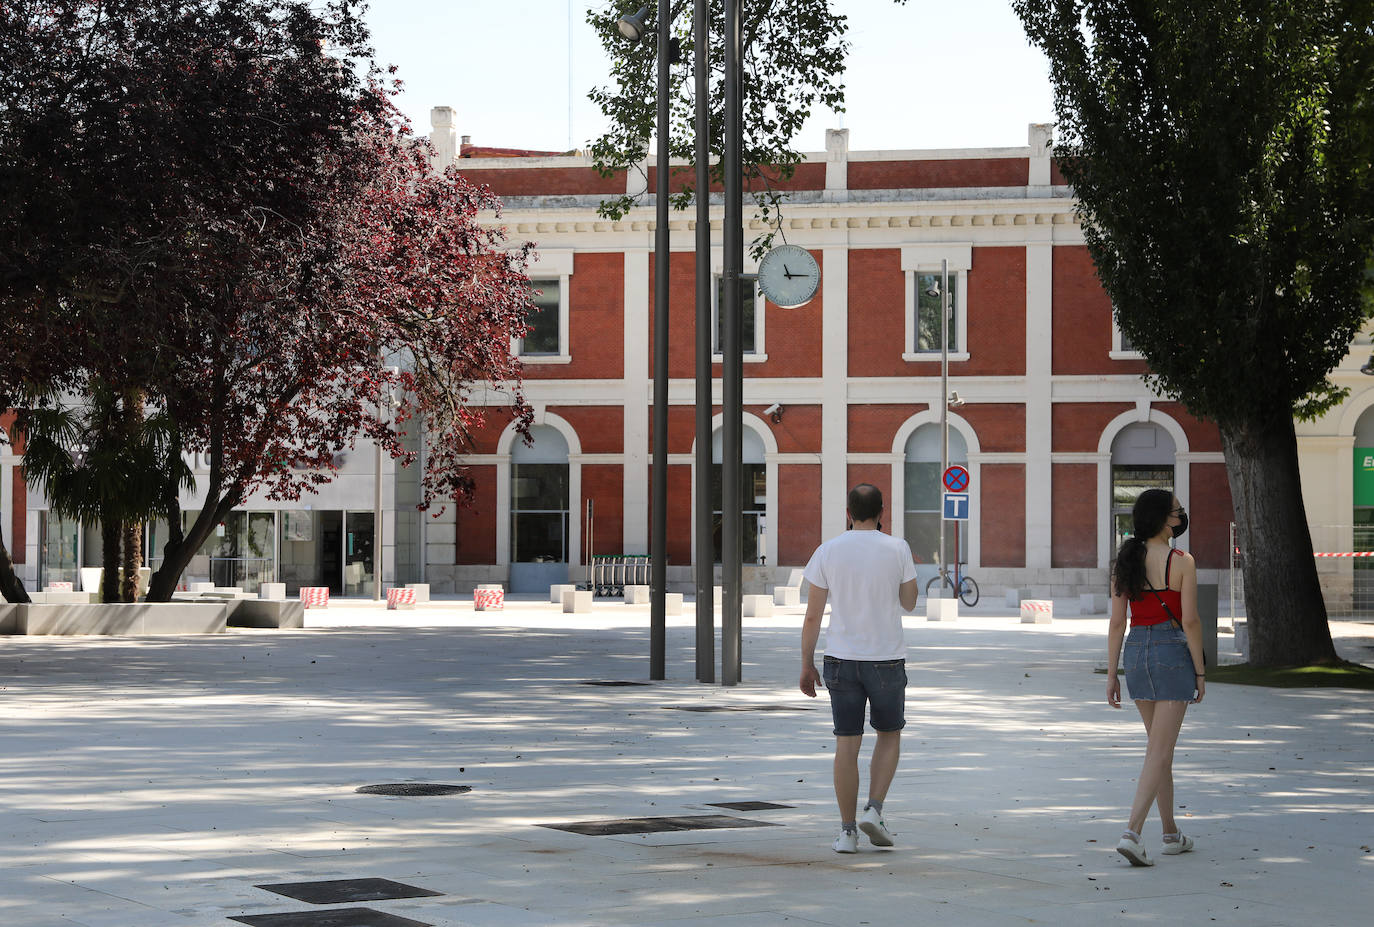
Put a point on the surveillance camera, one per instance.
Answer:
(774, 413)
(772, 410)
(954, 399)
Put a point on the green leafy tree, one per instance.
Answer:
(792, 54)
(1221, 156)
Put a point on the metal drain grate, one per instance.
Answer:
(343, 891)
(748, 805)
(736, 708)
(413, 789)
(339, 917)
(611, 682)
(657, 825)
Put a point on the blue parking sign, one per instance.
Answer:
(956, 506)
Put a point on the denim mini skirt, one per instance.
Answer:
(1159, 667)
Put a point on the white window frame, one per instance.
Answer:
(925, 259)
(550, 267)
(1118, 352)
(751, 269)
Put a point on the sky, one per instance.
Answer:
(929, 74)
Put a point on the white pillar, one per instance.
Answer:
(834, 388)
(1039, 353)
(637, 393)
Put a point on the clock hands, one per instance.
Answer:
(788, 274)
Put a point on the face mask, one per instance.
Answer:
(1182, 525)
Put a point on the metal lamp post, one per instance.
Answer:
(703, 554)
(636, 28)
(944, 398)
(732, 367)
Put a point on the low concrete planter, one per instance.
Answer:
(266, 613)
(130, 618)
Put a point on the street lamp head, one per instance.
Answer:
(635, 28)
(934, 291)
(1368, 368)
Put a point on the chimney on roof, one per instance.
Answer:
(441, 136)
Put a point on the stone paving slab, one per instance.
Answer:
(157, 781)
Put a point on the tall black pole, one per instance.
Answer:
(659, 517)
(732, 367)
(704, 555)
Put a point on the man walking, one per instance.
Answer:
(869, 579)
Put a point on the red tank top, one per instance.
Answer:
(1148, 609)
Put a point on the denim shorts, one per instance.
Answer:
(1159, 667)
(880, 683)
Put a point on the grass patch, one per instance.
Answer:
(1317, 676)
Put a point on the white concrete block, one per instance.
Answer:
(636, 595)
(421, 591)
(1013, 598)
(272, 591)
(1092, 603)
(672, 603)
(942, 609)
(200, 587)
(557, 589)
(90, 579)
(1067, 607)
(787, 595)
(576, 601)
(1037, 611)
(757, 606)
(1242, 632)
(795, 578)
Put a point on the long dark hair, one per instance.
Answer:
(1148, 517)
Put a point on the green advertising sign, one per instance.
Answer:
(1364, 476)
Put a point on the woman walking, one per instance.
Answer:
(1157, 584)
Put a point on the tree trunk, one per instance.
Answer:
(177, 554)
(10, 585)
(1283, 596)
(132, 559)
(109, 560)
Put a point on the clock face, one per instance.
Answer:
(789, 276)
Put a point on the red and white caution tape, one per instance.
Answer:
(1347, 553)
(396, 598)
(315, 596)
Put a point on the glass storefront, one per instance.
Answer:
(58, 558)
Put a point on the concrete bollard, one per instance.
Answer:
(1037, 611)
(421, 591)
(1013, 598)
(672, 603)
(272, 591)
(942, 609)
(787, 595)
(636, 595)
(576, 601)
(757, 606)
(556, 592)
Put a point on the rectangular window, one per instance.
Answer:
(928, 302)
(1127, 485)
(544, 320)
(748, 300)
(753, 501)
(539, 513)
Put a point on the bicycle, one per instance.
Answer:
(965, 585)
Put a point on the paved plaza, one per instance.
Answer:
(160, 781)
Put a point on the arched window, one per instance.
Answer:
(753, 497)
(923, 491)
(539, 510)
(1142, 458)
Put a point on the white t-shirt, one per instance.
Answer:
(862, 571)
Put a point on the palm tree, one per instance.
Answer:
(104, 459)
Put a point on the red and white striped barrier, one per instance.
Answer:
(488, 599)
(1037, 611)
(315, 596)
(1347, 553)
(400, 598)
(58, 587)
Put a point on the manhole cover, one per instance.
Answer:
(612, 682)
(342, 891)
(413, 788)
(748, 805)
(339, 917)
(657, 825)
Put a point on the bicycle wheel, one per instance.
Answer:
(968, 591)
(947, 592)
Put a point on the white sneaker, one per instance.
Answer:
(871, 823)
(846, 842)
(1183, 844)
(1133, 851)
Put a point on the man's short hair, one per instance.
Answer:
(865, 502)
